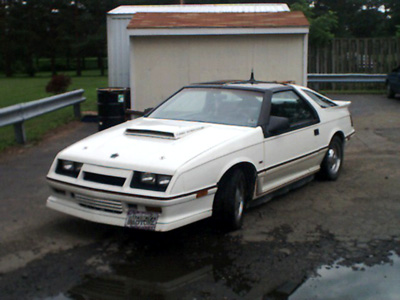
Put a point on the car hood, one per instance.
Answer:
(151, 145)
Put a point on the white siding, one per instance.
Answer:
(162, 64)
(118, 50)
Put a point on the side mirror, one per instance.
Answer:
(148, 110)
(277, 125)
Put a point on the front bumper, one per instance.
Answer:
(112, 208)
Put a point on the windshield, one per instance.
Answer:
(212, 105)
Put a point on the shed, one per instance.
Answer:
(171, 46)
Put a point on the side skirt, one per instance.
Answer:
(281, 191)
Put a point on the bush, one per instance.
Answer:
(58, 84)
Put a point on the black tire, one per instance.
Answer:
(389, 91)
(230, 201)
(333, 160)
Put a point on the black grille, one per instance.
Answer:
(104, 179)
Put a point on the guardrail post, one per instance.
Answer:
(77, 110)
(19, 131)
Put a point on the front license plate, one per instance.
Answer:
(141, 219)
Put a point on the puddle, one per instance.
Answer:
(183, 265)
(193, 281)
(168, 267)
(356, 282)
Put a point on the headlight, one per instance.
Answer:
(163, 180)
(148, 178)
(68, 168)
(150, 181)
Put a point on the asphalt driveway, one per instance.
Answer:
(353, 221)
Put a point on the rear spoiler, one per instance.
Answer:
(341, 104)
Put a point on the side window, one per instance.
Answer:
(321, 101)
(289, 105)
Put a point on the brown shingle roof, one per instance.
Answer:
(218, 20)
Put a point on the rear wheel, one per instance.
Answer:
(389, 91)
(230, 200)
(333, 160)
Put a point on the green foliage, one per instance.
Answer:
(362, 18)
(305, 7)
(35, 29)
(321, 26)
(398, 31)
(321, 29)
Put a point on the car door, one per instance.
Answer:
(292, 154)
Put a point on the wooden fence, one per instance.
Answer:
(363, 55)
(355, 55)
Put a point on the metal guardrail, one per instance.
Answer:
(346, 78)
(17, 114)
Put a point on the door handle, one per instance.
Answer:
(316, 132)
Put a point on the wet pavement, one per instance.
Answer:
(326, 240)
(198, 263)
(360, 281)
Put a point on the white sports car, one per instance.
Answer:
(211, 149)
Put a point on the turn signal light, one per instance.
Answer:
(202, 193)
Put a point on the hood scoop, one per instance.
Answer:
(171, 133)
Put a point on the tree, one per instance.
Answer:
(75, 29)
(7, 36)
(392, 11)
(362, 18)
(95, 42)
(321, 27)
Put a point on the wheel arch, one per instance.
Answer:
(339, 134)
(249, 171)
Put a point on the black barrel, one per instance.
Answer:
(112, 104)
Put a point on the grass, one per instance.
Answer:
(23, 89)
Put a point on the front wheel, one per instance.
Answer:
(333, 160)
(230, 201)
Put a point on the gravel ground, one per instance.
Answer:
(355, 220)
